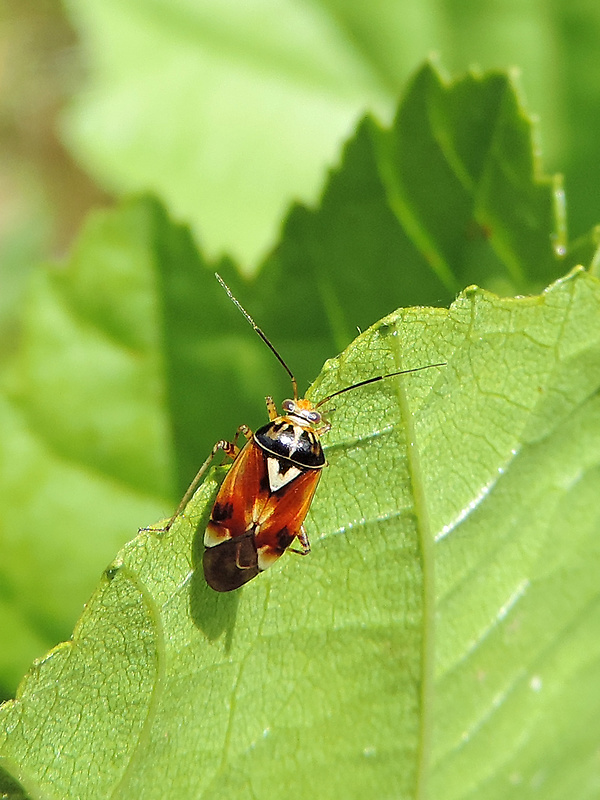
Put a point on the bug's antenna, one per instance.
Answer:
(262, 335)
(377, 378)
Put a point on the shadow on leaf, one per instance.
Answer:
(212, 612)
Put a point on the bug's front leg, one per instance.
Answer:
(304, 543)
(230, 449)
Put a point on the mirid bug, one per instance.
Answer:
(262, 503)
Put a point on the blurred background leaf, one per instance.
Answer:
(232, 110)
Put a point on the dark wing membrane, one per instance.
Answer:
(231, 564)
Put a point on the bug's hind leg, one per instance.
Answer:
(230, 449)
(304, 543)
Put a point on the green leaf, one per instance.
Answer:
(450, 194)
(230, 112)
(363, 669)
(86, 451)
(291, 98)
(517, 592)
(186, 96)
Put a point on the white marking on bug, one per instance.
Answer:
(278, 477)
(266, 557)
(298, 431)
(214, 535)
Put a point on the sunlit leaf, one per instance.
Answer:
(442, 638)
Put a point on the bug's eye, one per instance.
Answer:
(314, 416)
(288, 405)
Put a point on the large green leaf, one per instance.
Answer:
(68, 449)
(451, 194)
(440, 641)
(187, 96)
(248, 102)
(230, 111)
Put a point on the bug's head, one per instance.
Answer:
(303, 409)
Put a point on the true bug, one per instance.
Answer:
(262, 503)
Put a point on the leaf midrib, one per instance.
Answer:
(426, 549)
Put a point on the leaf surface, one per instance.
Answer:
(439, 641)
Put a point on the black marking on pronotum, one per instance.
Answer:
(298, 445)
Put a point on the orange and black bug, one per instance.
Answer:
(262, 503)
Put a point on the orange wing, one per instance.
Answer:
(285, 510)
(241, 497)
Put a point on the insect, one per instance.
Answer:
(261, 505)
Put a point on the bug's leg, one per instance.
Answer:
(325, 424)
(304, 543)
(229, 449)
(244, 430)
(271, 408)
